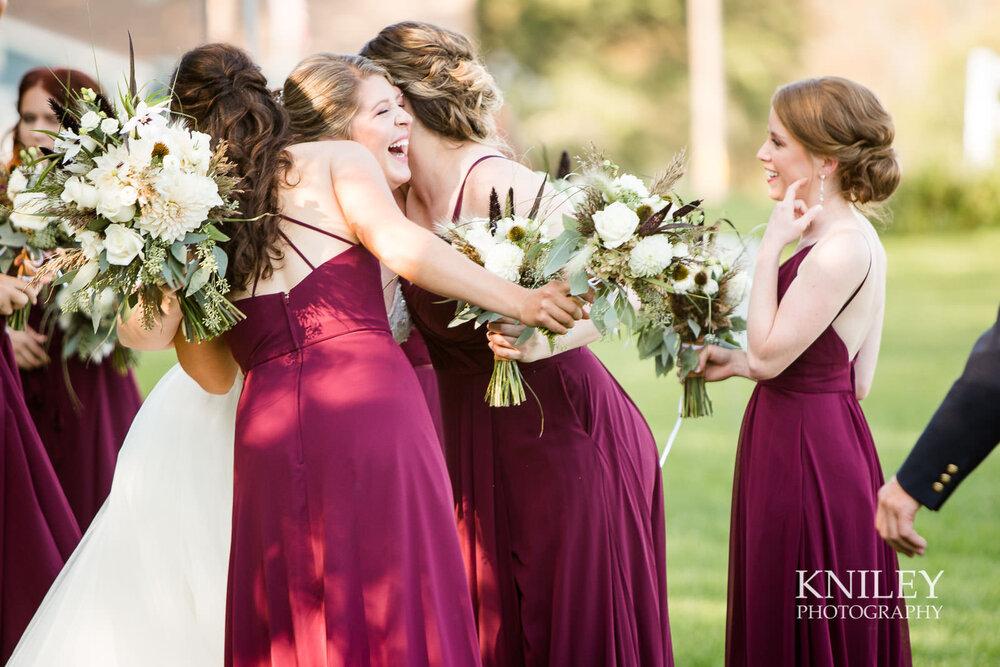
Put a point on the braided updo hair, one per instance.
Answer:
(224, 93)
(838, 118)
(443, 78)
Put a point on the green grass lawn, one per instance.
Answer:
(943, 292)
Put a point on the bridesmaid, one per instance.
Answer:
(562, 528)
(344, 549)
(82, 410)
(343, 97)
(807, 472)
(37, 528)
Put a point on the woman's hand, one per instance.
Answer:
(15, 294)
(28, 351)
(503, 335)
(790, 218)
(550, 306)
(133, 333)
(720, 363)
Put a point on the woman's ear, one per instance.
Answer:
(828, 165)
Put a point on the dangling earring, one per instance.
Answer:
(822, 185)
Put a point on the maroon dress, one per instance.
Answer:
(562, 527)
(82, 435)
(344, 549)
(38, 531)
(804, 500)
(416, 351)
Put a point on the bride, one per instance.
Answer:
(147, 584)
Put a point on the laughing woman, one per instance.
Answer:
(563, 532)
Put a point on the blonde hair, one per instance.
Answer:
(840, 119)
(443, 77)
(321, 94)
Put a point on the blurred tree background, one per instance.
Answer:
(615, 73)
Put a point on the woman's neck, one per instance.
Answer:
(437, 175)
(835, 211)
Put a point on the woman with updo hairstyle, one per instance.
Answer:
(332, 96)
(82, 409)
(807, 472)
(562, 522)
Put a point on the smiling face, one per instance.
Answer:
(382, 125)
(36, 115)
(786, 160)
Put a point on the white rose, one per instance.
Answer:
(89, 121)
(504, 259)
(109, 205)
(122, 244)
(109, 125)
(89, 143)
(83, 277)
(128, 195)
(29, 208)
(16, 183)
(90, 243)
(480, 239)
(628, 183)
(615, 224)
(710, 288)
(87, 196)
(650, 256)
(681, 250)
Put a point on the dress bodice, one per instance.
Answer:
(341, 296)
(824, 366)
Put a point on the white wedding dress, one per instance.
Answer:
(147, 584)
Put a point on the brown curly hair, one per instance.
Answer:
(225, 94)
(838, 118)
(443, 77)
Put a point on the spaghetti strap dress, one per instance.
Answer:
(804, 500)
(344, 548)
(562, 525)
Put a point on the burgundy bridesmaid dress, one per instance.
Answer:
(344, 548)
(82, 435)
(38, 531)
(562, 527)
(416, 351)
(804, 500)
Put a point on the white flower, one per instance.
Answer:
(122, 244)
(615, 224)
(70, 144)
(681, 250)
(16, 183)
(76, 190)
(83, 277)
(654, 202)
(628, 184)
(91, 243)
(109, 125)
(146, 118)
(710, 288)
(504, 259)
(88, 94)
(110, 206)
(90, 121)
(182, 205)
(650, 256)
(737, 287)
(28, 210)
(480, 239)
(128, 195)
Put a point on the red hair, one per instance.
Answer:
(58, 83)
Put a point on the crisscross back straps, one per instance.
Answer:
(256, 279)
(461, 191)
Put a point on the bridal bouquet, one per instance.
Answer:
(632, 242)
(516, 249)
(140, 197)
